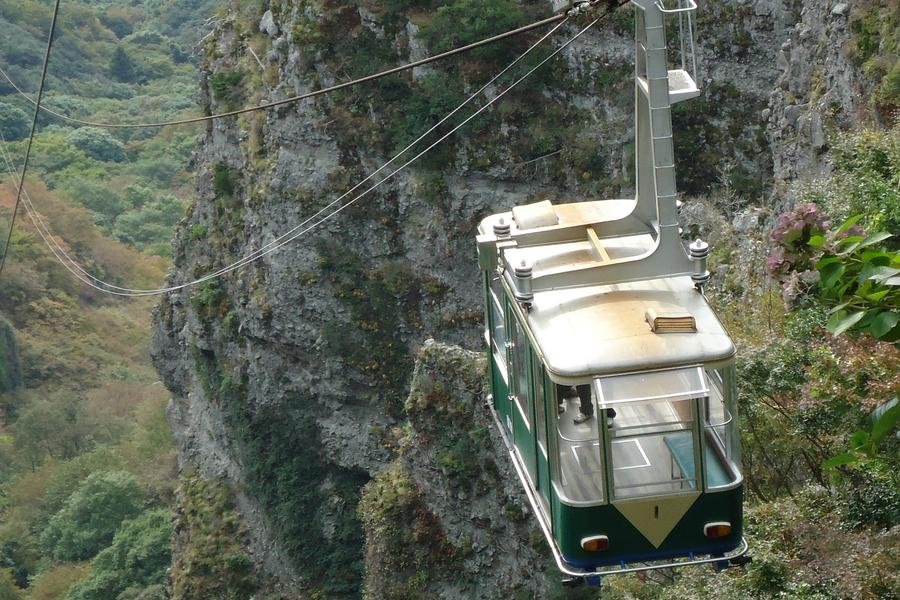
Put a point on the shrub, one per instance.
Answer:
(848, 269)
(209, 300)
(53, 583)
(121, 67)
(861, 282)
(212, 563)
(874, 46)
(97, 143)
(425, 105)
(225, 180)
(136, 560)
(55, 425)
(14, 123)
(199, 231)
(284, 471)
(89, 519)
(403, 6)
(720, 141)
(226, 88)
(10, 367)
(793, 261)
(869, 494)
(153, 223)
(8, 589)
(118, 24)
(867, 173)
(99, 198)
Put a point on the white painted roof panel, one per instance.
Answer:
(599, 330)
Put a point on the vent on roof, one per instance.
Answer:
(671, 322)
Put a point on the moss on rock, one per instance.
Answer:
(211, 562)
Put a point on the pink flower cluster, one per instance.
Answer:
(793, 261)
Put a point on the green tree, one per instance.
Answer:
(54, 426)
(98, 144)
(14, 123)
(121, 67)
(153, 222)
(8, 589)
(104, 202)
(10, 366)
(92, 514)
(138, 195)
(118, 24)
(134, 565)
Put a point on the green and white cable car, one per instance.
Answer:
(640, 469)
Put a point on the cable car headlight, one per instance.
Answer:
(718, 529)
(595, 543)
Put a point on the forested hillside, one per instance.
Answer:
(87, 462)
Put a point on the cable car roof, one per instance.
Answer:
(601, 330)
(607, 293)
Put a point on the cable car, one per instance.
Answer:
(613, 381)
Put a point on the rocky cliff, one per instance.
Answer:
(465, 528)
(291, 377)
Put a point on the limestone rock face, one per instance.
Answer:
(450, 505)
(290, 374)
(816, 83)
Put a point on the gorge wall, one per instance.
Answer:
(294, 379)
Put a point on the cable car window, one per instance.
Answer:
(580, 457)
(649, 385)
(720, 431)
(519, 359)
(540, 415)
(652, 446)
(651, 433)
(498, 327)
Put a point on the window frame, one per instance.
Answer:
(518, 349)
(497, 321)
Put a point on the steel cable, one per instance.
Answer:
(297, 98)
(37, 110)
(109, 288)
(82, 275)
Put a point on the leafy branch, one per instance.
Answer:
(850, 271)
(864, 445)
(861, 282)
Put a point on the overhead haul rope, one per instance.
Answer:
(92, 281)
(298, 230)
(485, 42)
(37, 110)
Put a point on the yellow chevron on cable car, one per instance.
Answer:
(613, 380)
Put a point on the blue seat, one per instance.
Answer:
(681, 446)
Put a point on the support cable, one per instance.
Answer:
(300, 230)
(441, 139)
(43, 229)
(467, 48)
(107, 287)
(34, 120)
